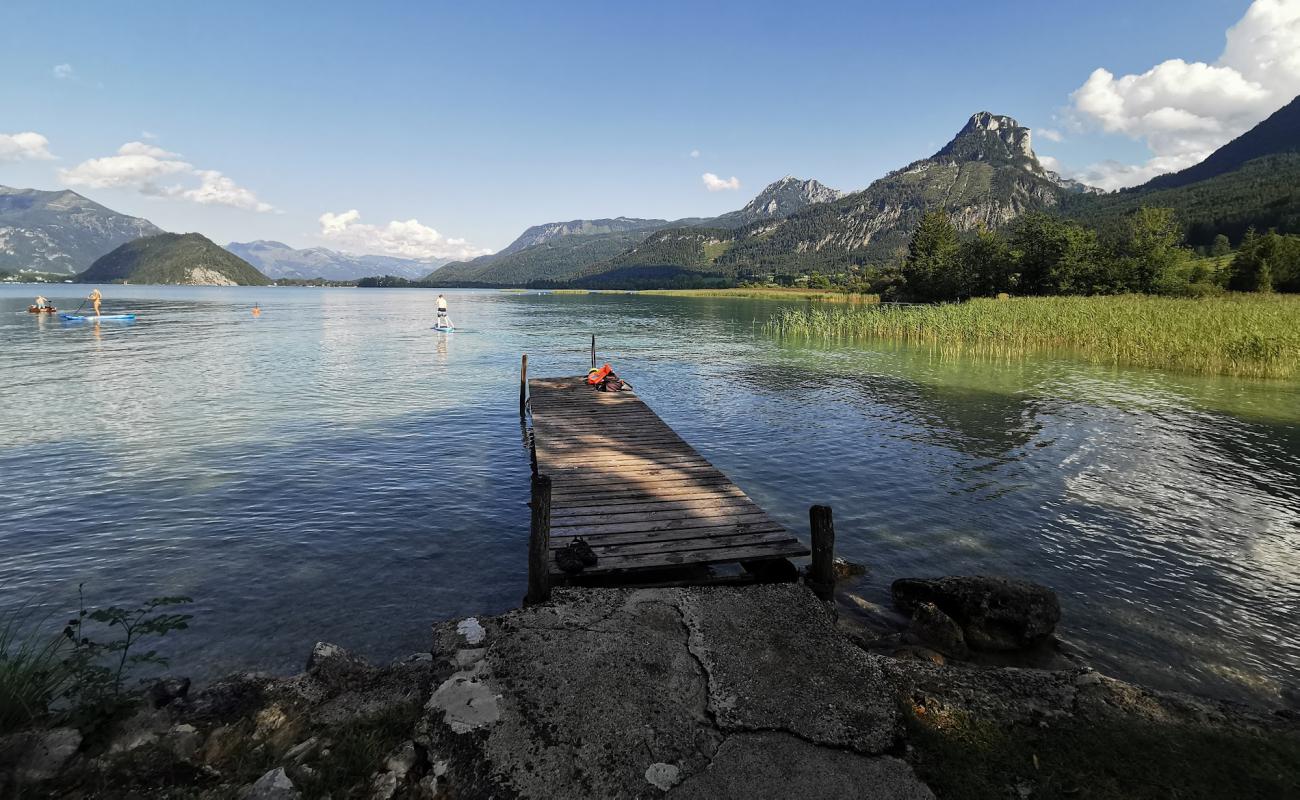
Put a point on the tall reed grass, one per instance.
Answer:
(1250, 335)
(32, 669)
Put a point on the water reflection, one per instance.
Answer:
(336, 470)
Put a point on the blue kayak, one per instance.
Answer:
(103, 317)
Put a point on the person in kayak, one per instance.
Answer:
(95, 297)
(443, 320)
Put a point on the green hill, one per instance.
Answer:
(189, 259)
(1252, 181)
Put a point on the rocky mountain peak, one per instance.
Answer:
(789, 194)
(994, 138)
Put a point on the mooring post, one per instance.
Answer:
(539, 542)
(822, 574)
(523, 385)
(593, 351)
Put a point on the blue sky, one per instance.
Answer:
(479, 119)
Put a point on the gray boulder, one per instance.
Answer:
(936, 630)
(995, 614)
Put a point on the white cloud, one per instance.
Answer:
(1183, 110)
(695, 154)
(1050, 134)
(715, 184)
(64, 72)
(26, 146)
(1049, 162)
(148, 135)
(143, 167)
(406, 239)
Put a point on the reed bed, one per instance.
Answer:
(1248, 335)
(772, 293)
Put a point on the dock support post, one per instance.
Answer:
(539, 542)
(593, 351)
(523, 385)
(822, 574)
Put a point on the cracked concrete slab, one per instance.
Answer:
(775, 661)
(752, 765)
(629, 693)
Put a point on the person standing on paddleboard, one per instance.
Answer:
(95, 297)
(443, 321)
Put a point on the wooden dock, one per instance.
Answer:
(623, 480)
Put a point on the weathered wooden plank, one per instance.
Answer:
(632, 537)
(604, 551)
(615, 497)
(676, 524)
(710, 556)
(569, 512)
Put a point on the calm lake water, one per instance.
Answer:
(334, 470)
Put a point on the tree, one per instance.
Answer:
(1266, 263)
(1057, 257)
(931, 267)
(986, 264)
(1221, 246)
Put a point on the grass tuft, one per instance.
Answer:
(32, 670)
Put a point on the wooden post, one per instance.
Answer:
(822, 574)
(593, 351)
(523, 385)
(539, 543)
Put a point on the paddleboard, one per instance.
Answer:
(441, 329)
(103, 317)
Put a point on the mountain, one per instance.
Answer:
(987, 175)
(1251, 182)
(1280, 133)
(550, 251)
(278, 260)
(189, 259)
(562, 251)
(60, 232)
(777, 201)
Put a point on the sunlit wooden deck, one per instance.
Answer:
(642, 497)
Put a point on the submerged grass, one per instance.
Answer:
(1248, 335)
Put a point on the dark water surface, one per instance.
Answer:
(334, 470)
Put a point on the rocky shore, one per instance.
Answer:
(750, 692)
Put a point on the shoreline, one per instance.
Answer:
(717, 692)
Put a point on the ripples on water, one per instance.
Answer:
(335, 470)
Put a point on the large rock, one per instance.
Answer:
(39, 755)
(994, 613)
(938, 631)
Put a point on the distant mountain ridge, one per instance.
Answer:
(60, 232)
(187, 259)
(279, 260)
(986, 175)
(561, 251)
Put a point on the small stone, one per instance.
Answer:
(44, 754)
(427, 788)
(331, 664)
(402, 760)
(274, 785)
(663, 776)
(471, 630)
(845, 569)
(302, 751)
(163, 692)
(468, 657)
(184, 741)
(383, 786)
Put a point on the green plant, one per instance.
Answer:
(32, 670)
(99, 668)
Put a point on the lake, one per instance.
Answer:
(334, 470)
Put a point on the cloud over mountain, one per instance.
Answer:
(715, 184)
(405, 239)
(1184, 110)
(151, 170)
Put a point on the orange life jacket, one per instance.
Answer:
(597, 375)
